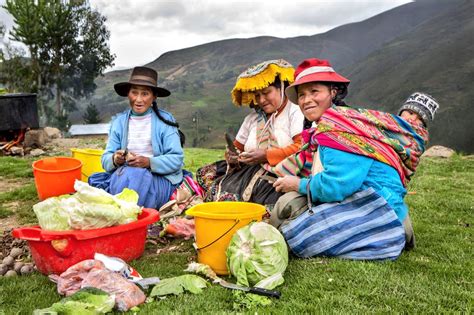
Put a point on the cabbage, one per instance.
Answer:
(87, 301)
(94, 216)
(88, 208)
(50, 214)
(89, 194)
(178, 285)
(257, 254)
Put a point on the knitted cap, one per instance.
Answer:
(422, 104)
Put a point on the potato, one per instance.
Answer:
(3, 269)
(17, 266)
(16, 251)
(9, 260)
(26, 269)
(10, 273)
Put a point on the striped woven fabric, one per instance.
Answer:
(378, 135)
(362, 227)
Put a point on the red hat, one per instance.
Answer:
(313, 70)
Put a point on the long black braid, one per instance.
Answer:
(182, 137)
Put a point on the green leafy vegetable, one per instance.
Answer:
(178, 285)
(87, 301)
(88, 208)
(51, 216)
(257, 256)
(256, 252)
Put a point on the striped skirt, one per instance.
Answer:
(362, 227)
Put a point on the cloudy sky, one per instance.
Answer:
(142, 30)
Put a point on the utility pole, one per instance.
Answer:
(196, 125)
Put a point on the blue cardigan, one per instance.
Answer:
(168, 154)
(346, 173)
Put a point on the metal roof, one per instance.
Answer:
(92, 129)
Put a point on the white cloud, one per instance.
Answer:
(142, 30)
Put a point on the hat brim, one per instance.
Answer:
(122, 88)
(314, 77)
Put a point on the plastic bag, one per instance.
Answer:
(180, 227)
(93, 273)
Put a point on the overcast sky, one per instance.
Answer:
(142, 30)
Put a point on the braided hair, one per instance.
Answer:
(182, 137)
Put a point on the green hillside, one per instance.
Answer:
(368, 52)
(436, 57)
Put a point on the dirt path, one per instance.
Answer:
(6, 185)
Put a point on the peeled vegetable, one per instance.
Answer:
(258, 253)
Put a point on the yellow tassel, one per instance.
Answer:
(242, 93)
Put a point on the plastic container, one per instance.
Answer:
(55, 176)
(90, 159)
(215, 223)
(55, 251)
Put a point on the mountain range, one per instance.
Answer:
(425, 46)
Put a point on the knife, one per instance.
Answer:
(230, 142)
(255, 290)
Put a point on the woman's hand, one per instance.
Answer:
(138, 161)
(287, 183)
(257, 156)
(231, 157)
(119, 157)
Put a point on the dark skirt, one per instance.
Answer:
(243, 184)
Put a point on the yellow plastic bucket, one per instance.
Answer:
(215, 223)
(90, 159)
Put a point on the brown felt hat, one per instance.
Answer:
(142, 76)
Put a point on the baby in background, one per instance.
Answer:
(418, 109)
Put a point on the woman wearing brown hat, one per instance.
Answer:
(144, 151)
(267, 136)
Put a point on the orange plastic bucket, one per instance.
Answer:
(55, 176)
(215, 223)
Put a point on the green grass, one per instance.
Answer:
(436, 277)
(4, 212)
(194, 158)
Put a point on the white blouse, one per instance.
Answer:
(288, 123)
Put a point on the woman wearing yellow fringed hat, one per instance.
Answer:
(267, 136)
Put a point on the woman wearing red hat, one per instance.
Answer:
(356, 164)
(268, 135)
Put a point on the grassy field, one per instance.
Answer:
(436, 277)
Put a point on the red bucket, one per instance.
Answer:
(55, 251)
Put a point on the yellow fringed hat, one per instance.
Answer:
(259, 77)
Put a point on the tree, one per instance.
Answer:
(67, 41)
(13, 66)
(92, 115)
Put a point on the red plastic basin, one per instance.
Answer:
(55, 251)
